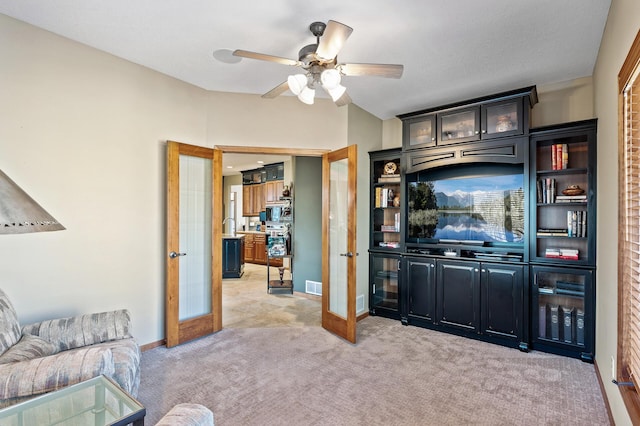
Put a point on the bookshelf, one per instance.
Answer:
(562, 242)
(563, 196)
(385, 233)
(385, 200)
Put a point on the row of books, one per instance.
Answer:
(562, 253)
(561, 323)
(576, 226)
(392, 228)
(559, 156)
(577, 223)
(384, 197)
(546, 191)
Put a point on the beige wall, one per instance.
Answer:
(622, 26)
(84, 133)
(365, 130)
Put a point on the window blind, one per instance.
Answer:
(630, 231)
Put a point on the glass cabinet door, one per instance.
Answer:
(561, 308)
(502, 119)
(419, 132)
(383, 271)
(461, 125)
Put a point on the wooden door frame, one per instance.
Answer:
(343, 327)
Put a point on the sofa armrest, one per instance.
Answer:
(46, 374)
(187, 415)
(83, 330)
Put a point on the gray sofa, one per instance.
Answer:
(45, 356)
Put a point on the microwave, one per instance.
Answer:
(274, 212)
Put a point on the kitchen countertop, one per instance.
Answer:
(250, 232)
(230, 236)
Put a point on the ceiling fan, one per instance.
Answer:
(320, 64)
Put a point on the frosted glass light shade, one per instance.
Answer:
(296, 83)
(330, 78)
(307, 95)
(336, 92)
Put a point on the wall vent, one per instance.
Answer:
(360, 303)
(313, 287)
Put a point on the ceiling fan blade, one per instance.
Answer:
(379, 70)
(335, 34)
(276, 91)
(264, 57)
(343, 100)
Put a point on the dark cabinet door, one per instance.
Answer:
(458, 293)
(502, 300)
(421, 290)
(231, 258)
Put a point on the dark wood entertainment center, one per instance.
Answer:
(512, 265)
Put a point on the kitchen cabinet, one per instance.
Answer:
(273, 190)
(233, 256)
(253, 201)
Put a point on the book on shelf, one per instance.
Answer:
(389, 244)
(389, 179)
(562, 253)
(567, 319)
(384, 197)
(579, 326)
(554, 319)
(559, 156)
(552, 232)
(571, 198)
(542, 320)
(577, 223)
(546, 190)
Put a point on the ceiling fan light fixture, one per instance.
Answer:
(337, 92)
(297, 83)
(306, 95)
(330, 78)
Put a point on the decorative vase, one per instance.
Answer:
(285, 191)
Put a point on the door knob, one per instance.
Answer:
(173, 254)
(349, 254)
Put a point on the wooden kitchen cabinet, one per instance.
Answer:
(260, 249)
(273, 190)
(253, 199)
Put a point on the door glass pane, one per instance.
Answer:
(195, 237)
(338, 237)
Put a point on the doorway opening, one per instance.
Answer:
(245, 300)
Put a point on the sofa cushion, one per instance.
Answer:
(28, 347)
(9, 327)
(83, 330)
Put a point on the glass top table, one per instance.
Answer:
(98, 401)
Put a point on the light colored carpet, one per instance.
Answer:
(299, 374)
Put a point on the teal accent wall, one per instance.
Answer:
(307, 216)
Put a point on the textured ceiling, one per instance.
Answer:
(451, 49)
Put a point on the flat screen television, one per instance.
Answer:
(475, 205)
